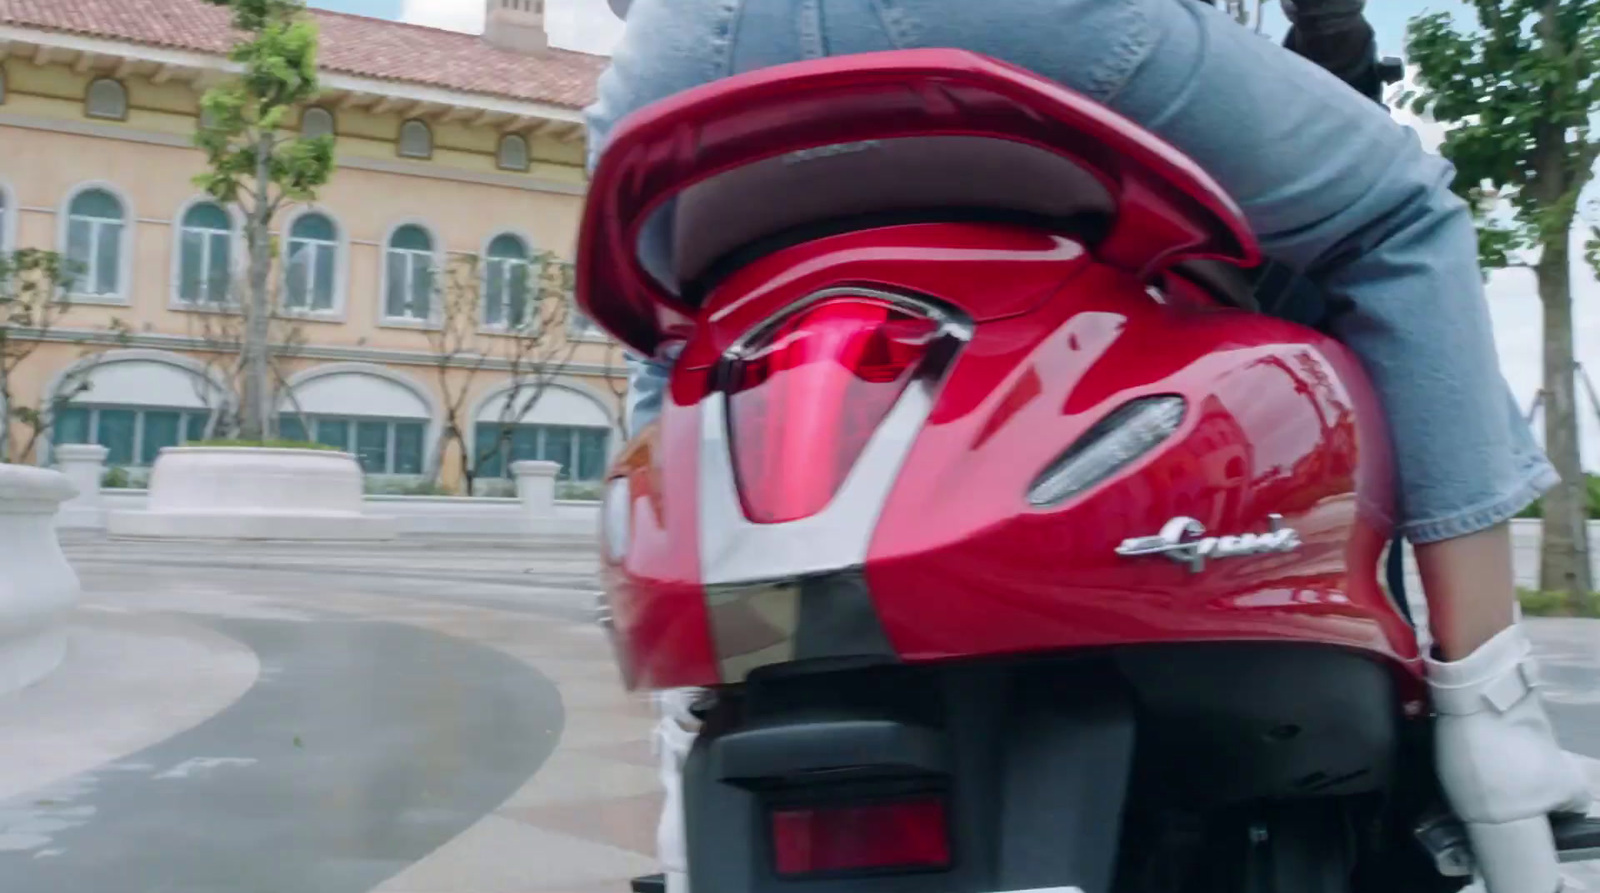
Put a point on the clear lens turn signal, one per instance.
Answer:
(1133, 430)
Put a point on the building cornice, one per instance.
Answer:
(350, 162)
(378, 355)
(196, 67)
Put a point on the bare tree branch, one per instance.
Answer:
(526, 333)
(35, 296)
(222, 328)
(618, 385)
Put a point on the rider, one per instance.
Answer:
(1336, 190)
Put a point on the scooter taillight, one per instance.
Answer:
(806, 395)
(906, 834)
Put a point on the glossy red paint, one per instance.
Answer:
(656, 597)
(990, 271)
(1279, 422)
(1167, 208)
(1280, 419)
(806, 396)
(662, 637)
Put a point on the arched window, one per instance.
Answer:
(513, 154)
(205, 245)
(409, 273)
(316, 121)
(580, 451)
(416, 140)
(310, 278)
(106, 99)
(96, 228)
(506, 283)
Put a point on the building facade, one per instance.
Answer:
(449, 147)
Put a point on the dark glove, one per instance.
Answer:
(1335, 35)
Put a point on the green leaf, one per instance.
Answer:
(1515, 91)
(250, 162)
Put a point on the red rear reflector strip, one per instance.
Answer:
(804, 400)
(907, 834)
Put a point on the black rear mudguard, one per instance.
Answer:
(1036, 781)
(1046, 765)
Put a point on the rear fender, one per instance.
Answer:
(1036, 775)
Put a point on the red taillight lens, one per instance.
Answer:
(909, 834)
(804, 400)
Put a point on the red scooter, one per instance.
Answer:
(1017, 551)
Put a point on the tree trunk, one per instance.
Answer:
(469, 463)
(254, 411)
(5, 410)
(1564, 559)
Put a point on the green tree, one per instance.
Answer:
(1516, 94)
(254, 165)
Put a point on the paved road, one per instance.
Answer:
(364, 747)
(420, 717)
(412, 717)
(557, 580)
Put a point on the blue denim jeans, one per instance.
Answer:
(1333, 187)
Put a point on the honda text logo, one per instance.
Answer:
(1184, 540)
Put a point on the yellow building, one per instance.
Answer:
(449, 146)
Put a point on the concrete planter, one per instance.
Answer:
(37, 586)
(253, 493)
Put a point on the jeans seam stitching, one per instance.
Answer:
(1533, 481)
(1125, 56)
(722, 64)
(896, 24)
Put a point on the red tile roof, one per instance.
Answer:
(353, 45)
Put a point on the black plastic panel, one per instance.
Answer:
(1038, 804)
(838, 619)
(781, 752)
(1250, 722)
(1045, 762)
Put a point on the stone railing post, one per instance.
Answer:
(84, 464)
(536, 489)
(37, 586)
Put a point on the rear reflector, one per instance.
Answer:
(804, 399)
(905, 834)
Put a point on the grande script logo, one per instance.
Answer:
(1184, 540)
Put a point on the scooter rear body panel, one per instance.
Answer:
(1181, 654)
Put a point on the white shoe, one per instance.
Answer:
(1500, 765)
(675, 734)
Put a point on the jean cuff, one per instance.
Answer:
(1530, 485)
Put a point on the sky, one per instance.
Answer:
(586, 25)
(1513, 301)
